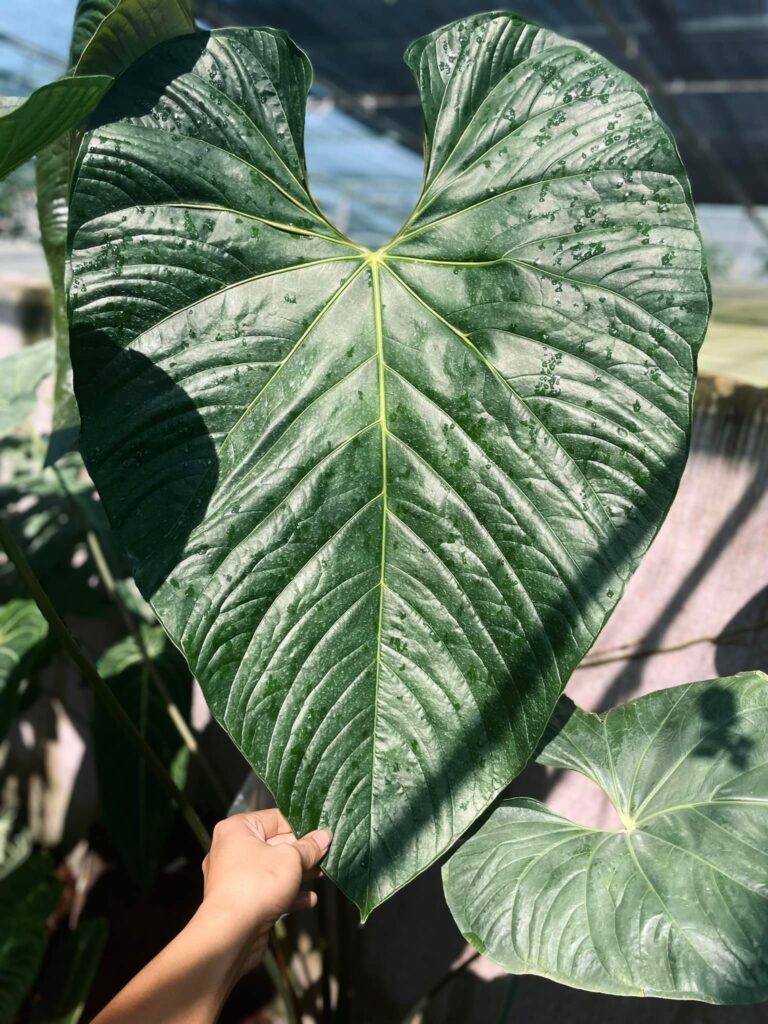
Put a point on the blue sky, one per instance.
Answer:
(366, 183)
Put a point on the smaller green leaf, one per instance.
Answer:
(675, 904)
(23, 631)
(129, 30)
(138, 815)
(108, 36)
(20, 377)
(15, 843)
(69, 972)
(89, 14)
(27, 897)
(51, 110)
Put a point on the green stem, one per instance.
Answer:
(172, 709)
(421, 1004)
(108, 581)
(509, 998)
(89, 672)
(281, 985)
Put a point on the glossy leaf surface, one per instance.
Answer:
(137, 814)
(384, 502)
(23, 631)
(676, 903)
(107, 36)
(27, 896)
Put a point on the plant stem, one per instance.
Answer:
(175, 715)
(598, 659)
(108, 581)
(283, 990)
(509, 999)
(90, 673)
(423, 1002)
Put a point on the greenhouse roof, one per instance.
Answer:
(705, 61)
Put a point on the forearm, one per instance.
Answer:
(188, 982)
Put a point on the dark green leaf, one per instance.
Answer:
(27, 897)
(51, 110)
(89, 14)
(675, 904)
(20, 377)
(69, 972)
(108, 36)
(130, 29)
(139, 815)
(384, 502)
(23, 631)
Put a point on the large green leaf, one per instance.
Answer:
(384, 501)
(27, 896)
(69, 971)
(20, 375)
(675, 904)
(108, 35)
(23, 632)
(137, 814)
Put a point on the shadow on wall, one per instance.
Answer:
(746, 642)
(732, 427)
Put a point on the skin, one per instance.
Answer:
(252, 876)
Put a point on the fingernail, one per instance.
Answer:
(323, 839)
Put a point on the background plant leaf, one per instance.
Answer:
(49, 512)
(138, 815)
(20, 376)
(15, 843)
(69, 971)
(23, 632)
(28, 896)
(89, 14)
(676, 903)
(129, 30)
(384, 502)
(51, 110)
(108, 35)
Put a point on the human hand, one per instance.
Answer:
(253, 875)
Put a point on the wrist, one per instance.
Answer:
(225, 936)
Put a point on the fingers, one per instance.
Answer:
(281, 839)
(267, 824)
(304, 901)
(312, 848)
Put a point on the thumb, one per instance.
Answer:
(312, 848)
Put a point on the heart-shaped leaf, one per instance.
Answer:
(676, 903)
(384, 501)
